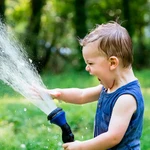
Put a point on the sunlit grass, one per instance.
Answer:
(25, 127)
(146, 129)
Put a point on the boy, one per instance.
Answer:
(107, 52)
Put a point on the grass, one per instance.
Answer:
(25, 127)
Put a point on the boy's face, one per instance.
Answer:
(97, 64)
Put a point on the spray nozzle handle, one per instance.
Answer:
(67, 135)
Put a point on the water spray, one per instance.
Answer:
(17, 71)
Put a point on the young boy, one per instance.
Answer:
(107, 52)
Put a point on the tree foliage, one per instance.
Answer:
(2, 10)
(47, 27)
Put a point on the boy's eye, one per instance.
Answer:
(90, 63)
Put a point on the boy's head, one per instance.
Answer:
(113, 40)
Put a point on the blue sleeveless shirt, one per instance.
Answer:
(106, 102)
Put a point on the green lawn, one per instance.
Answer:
(25, 127)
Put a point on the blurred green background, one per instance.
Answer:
(49, 31)
(25, 127)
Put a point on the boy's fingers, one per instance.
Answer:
(65, 145)
(38, 90)
(54, 94)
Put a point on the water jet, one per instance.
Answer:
(18, 72)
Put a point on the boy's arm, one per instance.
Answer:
(121, 116)
(76, 95)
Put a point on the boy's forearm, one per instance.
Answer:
(101, 142)
(79, 96)
(70, 95)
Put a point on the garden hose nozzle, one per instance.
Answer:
(57, 117)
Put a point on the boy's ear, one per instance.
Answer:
(114, 62)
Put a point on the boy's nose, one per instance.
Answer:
(87, 68)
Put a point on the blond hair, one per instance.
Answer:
(114, 40)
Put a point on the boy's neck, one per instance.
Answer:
(122, 77)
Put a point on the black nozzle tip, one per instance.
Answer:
(67, 135)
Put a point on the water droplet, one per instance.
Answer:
(82, 136)
(23, 146)
(25, 109)
(59, 143)
(30, 60)
(49, 129)
(46, 147)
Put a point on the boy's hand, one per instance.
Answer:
(53, 93)
(72, 145)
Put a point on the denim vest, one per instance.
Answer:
(106, 102)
